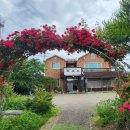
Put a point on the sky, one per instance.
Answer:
(21, 14)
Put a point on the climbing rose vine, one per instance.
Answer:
(20, 45)
(122, 87)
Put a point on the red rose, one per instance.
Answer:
(129, 106)
(4, 78)
(93, 30)
(9, 43)
(22, 39)
(121, 109)
(125, 84)
(125, 104)
(108, 47)
(112, 58)
(1, 82)
(120, 51)
(1, 64)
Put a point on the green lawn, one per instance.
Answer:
(66, 127)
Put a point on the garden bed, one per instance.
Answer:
(35, 111)
(26, 121)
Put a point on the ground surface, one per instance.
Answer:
(76, 109)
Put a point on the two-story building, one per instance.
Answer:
(89, 72)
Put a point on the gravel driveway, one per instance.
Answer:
(76, 108)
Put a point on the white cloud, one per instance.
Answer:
(6, 7)
(20, 14)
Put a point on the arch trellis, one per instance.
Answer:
(20, 45)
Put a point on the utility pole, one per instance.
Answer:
(1, 27)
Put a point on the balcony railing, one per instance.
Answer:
(84, 70)
(89, 72)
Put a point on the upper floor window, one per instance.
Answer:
(91, 65)
(55, 65)
(92, 56)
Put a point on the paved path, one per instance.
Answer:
(76, 107)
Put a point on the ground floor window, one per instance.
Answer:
(99, 84)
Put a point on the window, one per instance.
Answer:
(93, 65)
(92, 56)
(55, 65)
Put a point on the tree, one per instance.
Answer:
(27, 76)
(116, 31)
(50, 84)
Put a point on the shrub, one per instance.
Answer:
(17, 102)
(41, 103)
(109, 114)
(26, 121)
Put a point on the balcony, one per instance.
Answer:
(100, 73)
(90, 72)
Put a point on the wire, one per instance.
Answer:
(20, 25)
(40, 14)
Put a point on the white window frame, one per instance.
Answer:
(56, 63)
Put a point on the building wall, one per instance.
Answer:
(55, 73)
(95, 83)
(86, 58)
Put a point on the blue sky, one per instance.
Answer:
(20, 14)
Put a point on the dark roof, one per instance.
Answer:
(71, 61)
(105, 74)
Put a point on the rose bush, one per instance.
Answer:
(122, 87)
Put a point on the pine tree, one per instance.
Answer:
(117, 30)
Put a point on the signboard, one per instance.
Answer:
(72, 71)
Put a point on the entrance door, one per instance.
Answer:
(70, 86)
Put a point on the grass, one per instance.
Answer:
(66, 127)
(27, 121)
